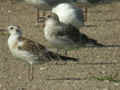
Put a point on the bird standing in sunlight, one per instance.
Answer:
(30, 51)
(65, 36)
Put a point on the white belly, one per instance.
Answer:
(24, 55)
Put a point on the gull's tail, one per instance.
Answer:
(92, 42)
(54, 56)
(85, 40)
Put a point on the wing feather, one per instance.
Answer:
(31, 46)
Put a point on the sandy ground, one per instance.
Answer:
(97, 69)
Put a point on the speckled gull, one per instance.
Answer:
(29, 50)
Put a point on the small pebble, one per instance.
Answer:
(4, 89)
(107, 81)
(103, 72)
(0, 85)
(19, 77)
(9, 11)
(43, 68)
(116, 84)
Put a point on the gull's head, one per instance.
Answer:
(14, 29)
(52, 19)
(53, 16)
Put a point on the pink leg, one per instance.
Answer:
(30, 73)
(86, 10)
(38, 15)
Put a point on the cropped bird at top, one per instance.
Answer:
(66, 36)
(30, 51)
(44, 5)
(49, 4)
(69, 14)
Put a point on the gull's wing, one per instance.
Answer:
(38, 49)
(31, 46)
(69, 33)
(72, 34)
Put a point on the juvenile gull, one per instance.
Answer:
(30, 51)
(69, 14)
(65, 36)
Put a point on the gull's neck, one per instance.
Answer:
(51, 22)
(13, 39)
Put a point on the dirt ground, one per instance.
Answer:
(97, 69)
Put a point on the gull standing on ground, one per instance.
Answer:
(65, 36)
(30, 51)
(69, 14)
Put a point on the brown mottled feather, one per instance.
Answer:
(31, 46)
(40, 51)
(15, 45)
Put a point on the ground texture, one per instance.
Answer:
(97, 69)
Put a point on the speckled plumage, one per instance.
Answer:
(31, 51)
(28, 50)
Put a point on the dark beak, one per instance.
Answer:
(3, 30)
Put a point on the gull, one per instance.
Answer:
(69, 14)
(44, 5)
(29, 50)
(66, 36)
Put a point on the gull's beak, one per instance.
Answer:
(45, 18)
(3, 31)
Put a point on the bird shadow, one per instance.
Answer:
(90, 26)
(104, 46)
(66, 78)
(97, 63)
(111, 46)
(89, 63)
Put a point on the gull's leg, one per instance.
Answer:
(86, 12)
(42, 18)
(21, 88)
(58, 50)
(66, 53)
(38, 15)
(59, 58)
(30, 72)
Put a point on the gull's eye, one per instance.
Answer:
(11, 28)
(49, 16)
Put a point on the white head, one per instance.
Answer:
(62, 7)
(14, 30)
(52, 20)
